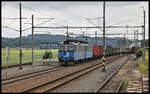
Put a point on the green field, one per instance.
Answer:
(27, 56)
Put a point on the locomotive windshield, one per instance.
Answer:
(69, 47)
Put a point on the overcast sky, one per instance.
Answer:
(74, 14)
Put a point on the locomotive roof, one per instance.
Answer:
(75, 41)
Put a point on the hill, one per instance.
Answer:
(47, 38)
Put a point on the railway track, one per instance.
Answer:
(28, 75)
(53, 84)
(115, 87)
(9, 80)
(28, 83)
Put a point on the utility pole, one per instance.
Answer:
(124, 40)
(137, 38)
(144, 34)
(104, 28)
(81, 31)
(67, 33)
(32, 39)
(120, 43)
(20, 65)
(83, 34)
(127, 37)
(96, 37)
(134, 37)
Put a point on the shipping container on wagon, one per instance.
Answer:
(109, 50)
(101, 51)
(96, 51)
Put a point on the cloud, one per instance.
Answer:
(75, 14)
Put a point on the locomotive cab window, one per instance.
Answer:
(69, 47)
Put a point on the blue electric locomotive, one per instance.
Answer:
(71, 52)
(66, 54)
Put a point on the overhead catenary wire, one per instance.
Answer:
(11, 22)
(29, 18)
(38, 24)
(93, 23)
(42, 13)
(25, 18)
(10, 28)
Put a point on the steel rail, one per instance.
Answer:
(68, 75)
(121, 82)
(21, 77)
(28, 75)
(109, 78)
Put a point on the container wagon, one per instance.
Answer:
(96, 51)
(109, 51)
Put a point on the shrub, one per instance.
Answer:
(47, 55)
(139, 53)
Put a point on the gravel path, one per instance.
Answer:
(90, 82)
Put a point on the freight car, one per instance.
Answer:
(109, 51)
(97, 51)
(115, 50)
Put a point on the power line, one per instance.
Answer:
(10, 28)
(25, 18)
(75, 27)
(11, 22)
(93, 23)
(29, 27)
(38, 24)
(39, 13)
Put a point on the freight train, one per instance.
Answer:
(74, 51)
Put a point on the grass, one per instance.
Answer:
(144, 65)
(124, 84)
(27, 56)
